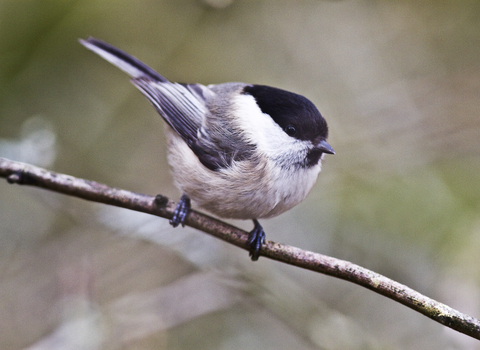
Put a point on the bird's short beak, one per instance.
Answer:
(325, 147)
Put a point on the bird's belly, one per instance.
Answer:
(253, 197)
(243, 191)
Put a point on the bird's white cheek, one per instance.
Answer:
(260, 129)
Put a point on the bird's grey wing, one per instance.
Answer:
(180, 109)
(182, 106)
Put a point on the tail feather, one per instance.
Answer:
(129, 64)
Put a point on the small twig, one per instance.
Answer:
(24, 174)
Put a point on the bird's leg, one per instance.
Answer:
(256, 238)
(181, 211)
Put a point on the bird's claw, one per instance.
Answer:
(256, 238)
(181, 211)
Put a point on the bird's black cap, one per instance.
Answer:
(294, 113)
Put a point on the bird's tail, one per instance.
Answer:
(129, 64)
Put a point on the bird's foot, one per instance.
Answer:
(256, 238)
(181, 211)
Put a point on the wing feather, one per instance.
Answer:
(180, 109)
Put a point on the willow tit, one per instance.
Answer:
(240, 151)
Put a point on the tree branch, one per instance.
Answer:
(24, 174)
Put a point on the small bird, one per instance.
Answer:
(239, 151)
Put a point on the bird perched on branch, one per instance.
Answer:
(240, 151)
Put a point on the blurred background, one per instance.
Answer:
(397, 81)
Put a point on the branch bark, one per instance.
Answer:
(24, 174)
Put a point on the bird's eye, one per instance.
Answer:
(290, 130)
